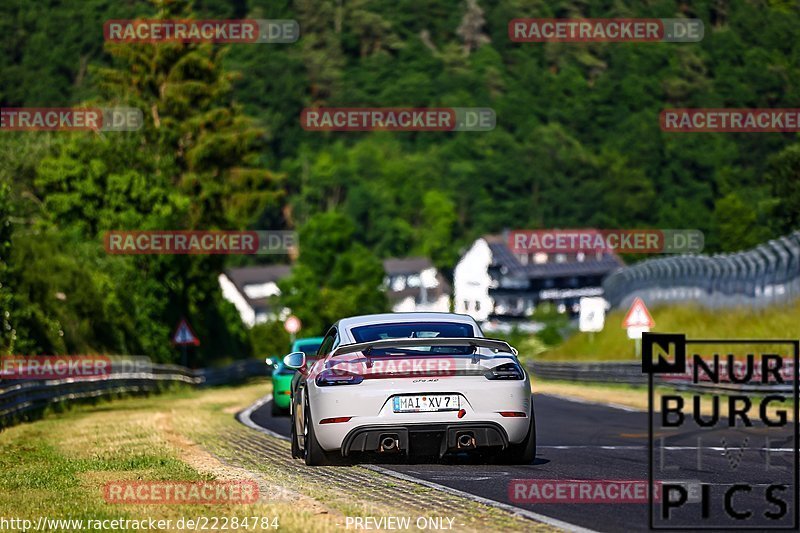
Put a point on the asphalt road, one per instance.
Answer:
(582, 441)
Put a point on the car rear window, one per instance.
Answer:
(415, 330)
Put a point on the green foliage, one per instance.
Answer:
(269, 339)
(334, 276)
(577, 144)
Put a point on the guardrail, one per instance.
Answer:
(630, 373)
(765, 275)
(18, 397)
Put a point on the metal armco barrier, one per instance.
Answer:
(20, 396)
(766, 275)
(631, 374)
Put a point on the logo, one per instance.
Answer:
(181, 492)
(622, 241)
(730, 120)
(183, 242)
(729, 425)
(617, 30)
(70, 119)
(398, 119)
(663, 353)
(202, 31)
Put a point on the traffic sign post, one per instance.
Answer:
(184, 336)
(638, 321)
(592, 316)
(292, 325)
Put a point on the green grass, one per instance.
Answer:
(613, 344)
(57, 466)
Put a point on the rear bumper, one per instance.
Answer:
(426, 438)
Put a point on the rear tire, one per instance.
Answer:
(525, 452)
(296, 453)
(314, 455)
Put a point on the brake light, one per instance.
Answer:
(505, 371)
(512, 414)
(328, 378)
(336, 420)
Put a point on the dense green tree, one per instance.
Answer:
(577, 144)
(334, 276)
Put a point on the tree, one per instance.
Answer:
(334, 277)
(784, 176)
(194, 165)
(6, 334)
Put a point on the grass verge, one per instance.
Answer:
(57, 467)
(612, 344)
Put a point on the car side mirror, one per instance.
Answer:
(296, 360)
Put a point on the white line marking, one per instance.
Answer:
(245, 418)
(671, 448)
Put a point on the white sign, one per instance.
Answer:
(635, 332)
(592, 315)
(292, 324)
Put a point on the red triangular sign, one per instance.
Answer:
(638, 316)
(184, 335)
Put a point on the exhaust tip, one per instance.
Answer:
(389, 443)
(466, 440)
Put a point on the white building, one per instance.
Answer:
(412, 284)
(492, 283)
(251, 289)
(471, 282)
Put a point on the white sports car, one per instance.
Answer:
(412, 383)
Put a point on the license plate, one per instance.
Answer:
(427, 403)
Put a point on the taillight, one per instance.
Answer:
(505, 371)
(328, 378)
(337, 420)
(512, 414)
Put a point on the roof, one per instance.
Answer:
(406, 265)
(502, 256)
(256, 275)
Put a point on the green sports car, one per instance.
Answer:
(282, 376)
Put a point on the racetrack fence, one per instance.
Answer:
(766, 275)
(19, 398)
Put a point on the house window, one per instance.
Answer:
(466, 305)
(477, 305)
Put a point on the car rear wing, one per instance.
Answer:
(475, 342)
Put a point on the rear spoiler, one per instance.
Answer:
(475, 342)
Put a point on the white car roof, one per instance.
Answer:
(346, 324)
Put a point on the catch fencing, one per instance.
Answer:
(766, 275)
(19, 397)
